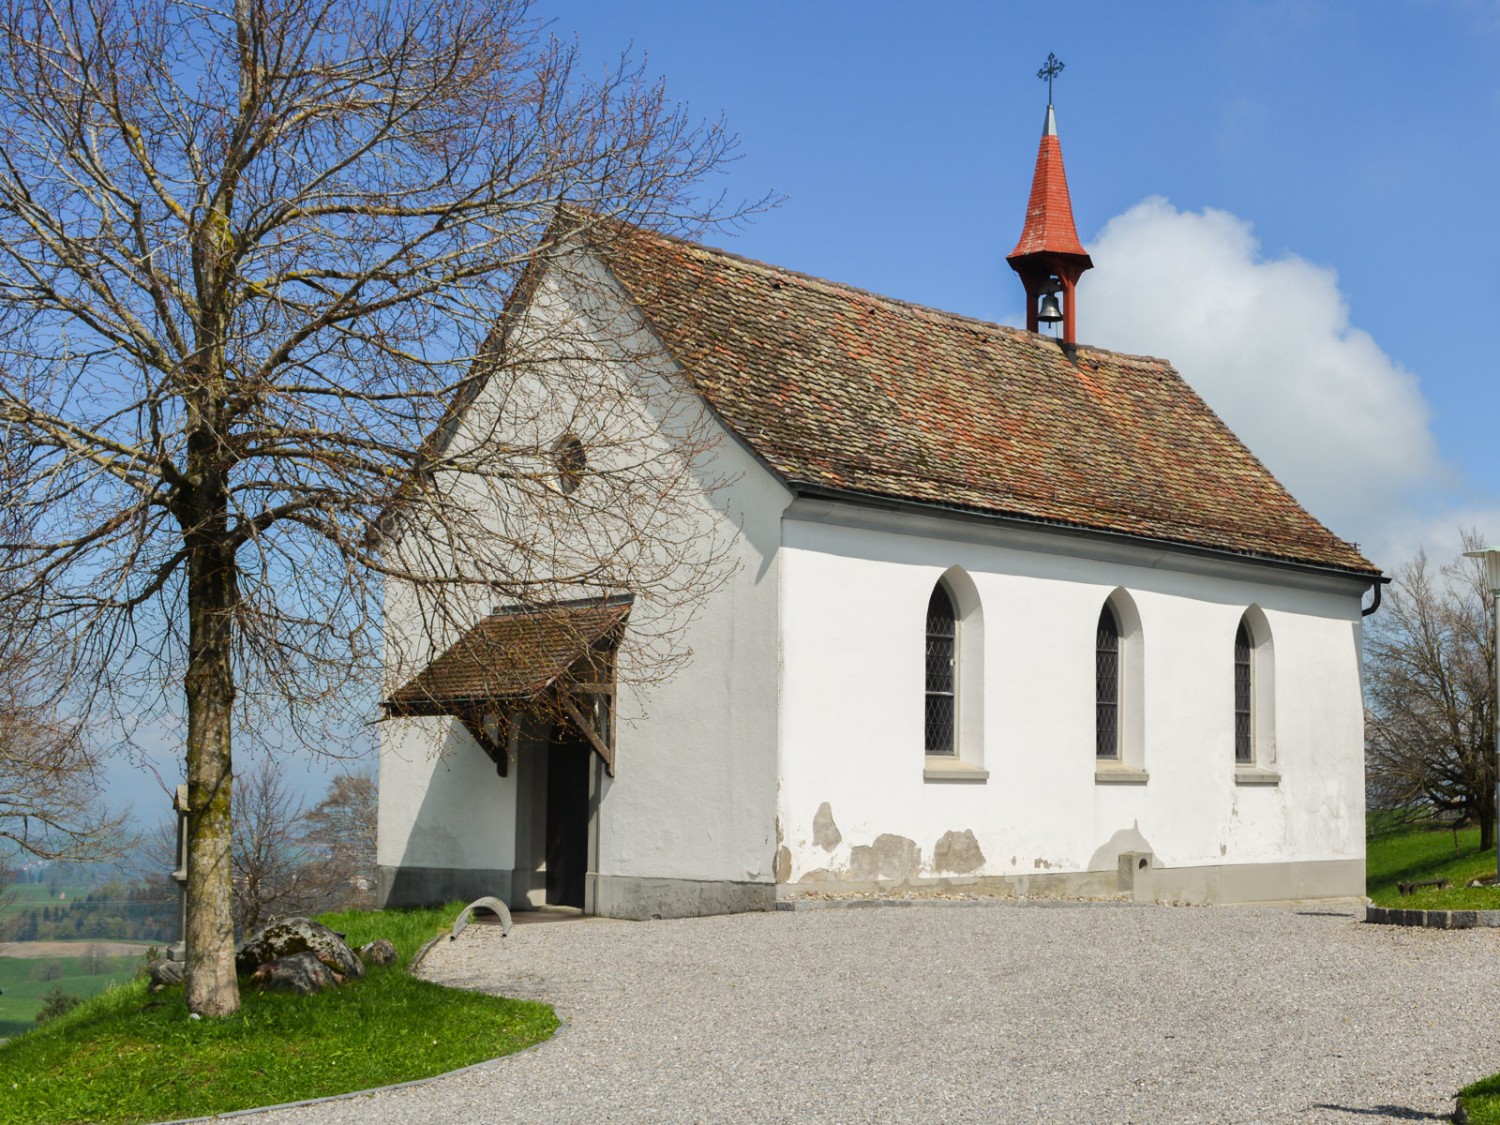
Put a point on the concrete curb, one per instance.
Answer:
(1433, 919)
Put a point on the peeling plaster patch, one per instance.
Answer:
(957, 852)
(862, 865)
(1223, 849)
(894, 858)
(1125, 840)
(783, 868)
(826, 833)
(1042, 864)
(818, 875)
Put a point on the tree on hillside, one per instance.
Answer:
(267, 852)
(50, 804)
(340, 830)
(252, 256)
(1430, 694)
(286, 859)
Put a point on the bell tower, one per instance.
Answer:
(1049, 257)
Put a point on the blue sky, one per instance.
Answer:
(1293, 201)
(1357, 137)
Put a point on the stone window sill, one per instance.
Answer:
(1246, 775)
(950, 769)
(1113, 773)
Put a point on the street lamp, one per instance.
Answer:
(1491, 557)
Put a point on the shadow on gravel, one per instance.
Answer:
(1324, 914)
(1399, 1112)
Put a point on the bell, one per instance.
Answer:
(1050, 311)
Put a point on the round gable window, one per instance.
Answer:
(570, 461)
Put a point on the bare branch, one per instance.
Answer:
(268, 266)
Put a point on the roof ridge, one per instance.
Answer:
(601, 601)
(879, 298)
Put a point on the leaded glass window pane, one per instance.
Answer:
(1107, 686)
(939, 724)
(942, 636)
(1242, 748)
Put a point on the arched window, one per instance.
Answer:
(1107, 686)
(1119, 693)
(942, 673)
(1244, 672)
(1254, 700)
(953, 681)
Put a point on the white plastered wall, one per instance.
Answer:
(694, 793)
(852, 707)
(695, 790)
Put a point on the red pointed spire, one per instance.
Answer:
(1049, 247)
(1049, 213)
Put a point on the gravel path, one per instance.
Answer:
(988, 1013)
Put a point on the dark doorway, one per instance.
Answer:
(569, 761)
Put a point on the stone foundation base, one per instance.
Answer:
(424, 886)
(640, 898)
(1303, 881)
(1137, 878)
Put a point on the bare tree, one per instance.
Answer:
(340, 831)
(95, 959)
(1430, 696)
(252, 254)
(50, 803)
(268, 854)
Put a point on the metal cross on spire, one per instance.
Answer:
(1053, 68)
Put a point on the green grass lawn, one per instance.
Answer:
(23, 985)
(1481, 1101)
(129, 1056)
(1408, 854)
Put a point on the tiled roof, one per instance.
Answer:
(843, 389)
(512, 654)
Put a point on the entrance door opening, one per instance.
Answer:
(568, 766)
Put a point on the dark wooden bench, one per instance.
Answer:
(1408, 888)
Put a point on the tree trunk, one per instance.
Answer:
(212, 989)
(1486, 813)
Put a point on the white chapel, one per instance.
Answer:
(1008, 614)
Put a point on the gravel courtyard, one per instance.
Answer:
(1032, 1012)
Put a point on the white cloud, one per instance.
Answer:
(1435, 529)
(1268, 344)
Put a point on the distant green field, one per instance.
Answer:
(25, 896)
(23, 988)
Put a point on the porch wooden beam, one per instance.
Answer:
(586, 729)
